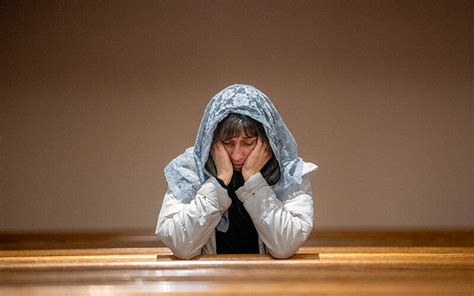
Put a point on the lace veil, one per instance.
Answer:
(186, 173)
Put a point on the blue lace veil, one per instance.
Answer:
(186, 173)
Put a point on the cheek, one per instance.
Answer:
(248, 150)
(228, 150)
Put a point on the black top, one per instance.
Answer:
(241, 237)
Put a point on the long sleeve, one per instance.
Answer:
(186, 227)
(282, 226)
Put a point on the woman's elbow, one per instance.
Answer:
(180, 250)
(285, 250)
(184, 254)
(282, 253)
(289, 246)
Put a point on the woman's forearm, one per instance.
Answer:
(185, 228)
(283, 227)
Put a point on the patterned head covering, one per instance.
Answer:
(186, 173)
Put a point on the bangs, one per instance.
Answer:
(233, 124)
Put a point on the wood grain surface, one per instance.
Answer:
(367, 269)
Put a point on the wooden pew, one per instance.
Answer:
(320, 237)
(377, 264)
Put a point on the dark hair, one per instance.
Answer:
(229, 128)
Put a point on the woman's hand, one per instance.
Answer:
(257, 159)
(222, 161)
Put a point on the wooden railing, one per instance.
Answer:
(332, 262)
(321, 237)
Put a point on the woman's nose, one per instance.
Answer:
(236, 154)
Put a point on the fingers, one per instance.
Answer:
(217, 150)
(217, 147)
(214, 149)
(257, 159)
(259, 144)
(265, 148)
(268, 154)
(222, 162)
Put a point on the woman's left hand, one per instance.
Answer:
(257, 159)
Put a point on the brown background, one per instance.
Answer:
(98, 96)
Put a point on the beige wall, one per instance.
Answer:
(98, 96)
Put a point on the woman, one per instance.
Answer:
(242, 187)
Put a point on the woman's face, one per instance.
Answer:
(239, 149)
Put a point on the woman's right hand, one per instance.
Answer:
(222, 161)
